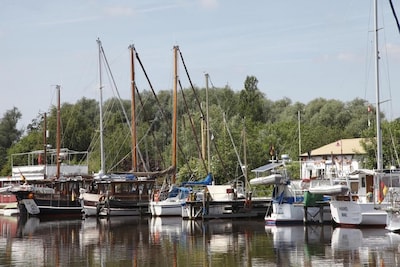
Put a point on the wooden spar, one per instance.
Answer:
(133, 108)
(174, 118)
(58, 136)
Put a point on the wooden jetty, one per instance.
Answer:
(217, 209)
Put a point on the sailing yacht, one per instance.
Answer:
(367, 201)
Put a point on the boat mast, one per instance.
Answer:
(58, 136)
(379, 161)
(174, 118)
(45, 144)
(299, 129)
(133, 108)
(102, 168)
(208, 128)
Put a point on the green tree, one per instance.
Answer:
(251, 100)
(9, 134)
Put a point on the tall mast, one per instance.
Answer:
(133, 108)
(379, 161)
(58, 136)
(45, 144)
(299, 128)
(175, 111)
(102, 168)
(208, 128)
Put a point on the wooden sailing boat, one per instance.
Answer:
(122, 193)
(51, 188)
(175, 196)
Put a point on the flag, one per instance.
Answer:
(383, 189)
(369, 111)
(22, 176)
(272, 151)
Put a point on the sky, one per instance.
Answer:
(301, 50)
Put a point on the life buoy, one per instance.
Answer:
(102, 198)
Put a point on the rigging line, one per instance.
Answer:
(213, 142)
(158, 102)
(152, 88)
(191, 84)
(115, 85)
(394, 15)
(230, 135)
(394, 146)
(151, 126)
(179, 146)
(116, 154)
(196, 138)
(117, 91)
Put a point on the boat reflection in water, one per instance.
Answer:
(298, 245)
(367, 246)
(171, 241)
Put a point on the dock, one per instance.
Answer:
(218, 209)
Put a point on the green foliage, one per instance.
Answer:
(243, 126)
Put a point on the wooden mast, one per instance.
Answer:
(58, 136)
(174, 118)
(133, 108)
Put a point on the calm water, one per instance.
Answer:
(122, 241)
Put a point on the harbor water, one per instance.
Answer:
(135, 241)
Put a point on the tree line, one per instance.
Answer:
(245, 128)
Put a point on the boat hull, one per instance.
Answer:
(98, 205)
(166, 208)
(290, 213)
(352, 213)
(393, 220)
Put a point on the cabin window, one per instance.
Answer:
(363, 182)
(354, 187)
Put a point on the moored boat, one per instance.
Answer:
(117, 195)
(173, 202)
(367, 202)
(290, 203)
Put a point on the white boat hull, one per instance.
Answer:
(166, 208)
(287, 213)
(354, 213)
(393, 220)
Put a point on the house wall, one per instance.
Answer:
(329, 166)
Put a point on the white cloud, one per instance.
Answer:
(209, 4)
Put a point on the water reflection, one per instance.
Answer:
(300, 245)
(369, 247)
(135, 241)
